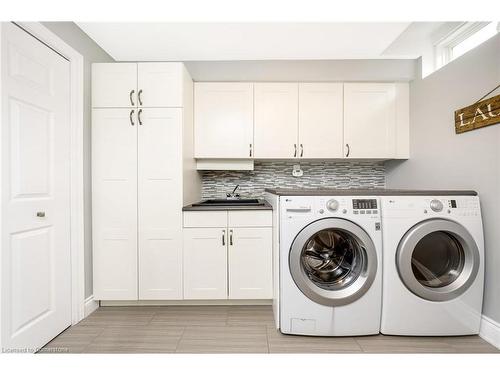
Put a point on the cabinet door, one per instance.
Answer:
(370, 120)
(250, 263)
(205, 263)
(160, 203)
(114, 85)
(276, 120)
(223, 120)
(321, 120)
(114, 204)
(160, 84)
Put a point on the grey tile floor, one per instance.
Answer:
(227, 329)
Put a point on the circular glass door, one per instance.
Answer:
(437, 259)
(333, 261)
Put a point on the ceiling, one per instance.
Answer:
(245, 41)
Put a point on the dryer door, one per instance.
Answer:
(333, 261)
(437, 259)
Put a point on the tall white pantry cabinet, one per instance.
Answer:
(143, 172)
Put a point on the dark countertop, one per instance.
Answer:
(266, 206)
(385, 192)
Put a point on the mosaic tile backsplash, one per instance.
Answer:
(278, 174)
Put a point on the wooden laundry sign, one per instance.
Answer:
(478, 115)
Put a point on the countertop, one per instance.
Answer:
(386, 192)
(266, 206)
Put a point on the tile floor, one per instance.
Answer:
(227, 329)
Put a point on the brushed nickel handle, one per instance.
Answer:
(130, 116)
(301, 150)
(40, 214)
(130, 96)
(139, 97)
(231, 237)
(139, 116)
(295, 150)
(348, 150)
(250, 150)
(223, 238)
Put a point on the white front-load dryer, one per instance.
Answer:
(330, 265)
(433, 270)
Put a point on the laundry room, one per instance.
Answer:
(266, 186)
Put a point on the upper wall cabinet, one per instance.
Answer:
(160, 84)
(320, 120)
(223, 119)
(114, 85)
(276, 120)
(124, 85)
(301, 120)
(375, 120)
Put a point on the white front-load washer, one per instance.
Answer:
(433, 271)
(330, 265)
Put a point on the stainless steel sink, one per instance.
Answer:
(230, 202)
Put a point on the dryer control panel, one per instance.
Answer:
(430, 206)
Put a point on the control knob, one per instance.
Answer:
(436, 205)
(332, 205)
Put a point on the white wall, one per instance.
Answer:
(441, 159)
(303, 70)
(76, 38)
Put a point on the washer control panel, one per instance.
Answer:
(296, 207)
(344, 205)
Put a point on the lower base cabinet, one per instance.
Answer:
(250, 263)
(232, 261)
(205, 263)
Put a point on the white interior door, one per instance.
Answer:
(276, 120)
(160, 203)
(370, 120)
(321, 120)
(36, 273)
(114, 203)
(223, 120)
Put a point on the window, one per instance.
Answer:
(462, 39)
(474, 40)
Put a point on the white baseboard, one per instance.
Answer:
(90, 306)
(490, 331)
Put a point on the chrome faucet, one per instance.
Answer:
(233, 194)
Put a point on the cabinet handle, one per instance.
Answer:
(301, 150)
(348, 150)
(130, 96)
(250, 150)
(231, 237)
(139, 116)
(139, 96)
(130, 116)
(223, 238)
(294, 150)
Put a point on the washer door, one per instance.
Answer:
(437, 259)
(333, 261)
